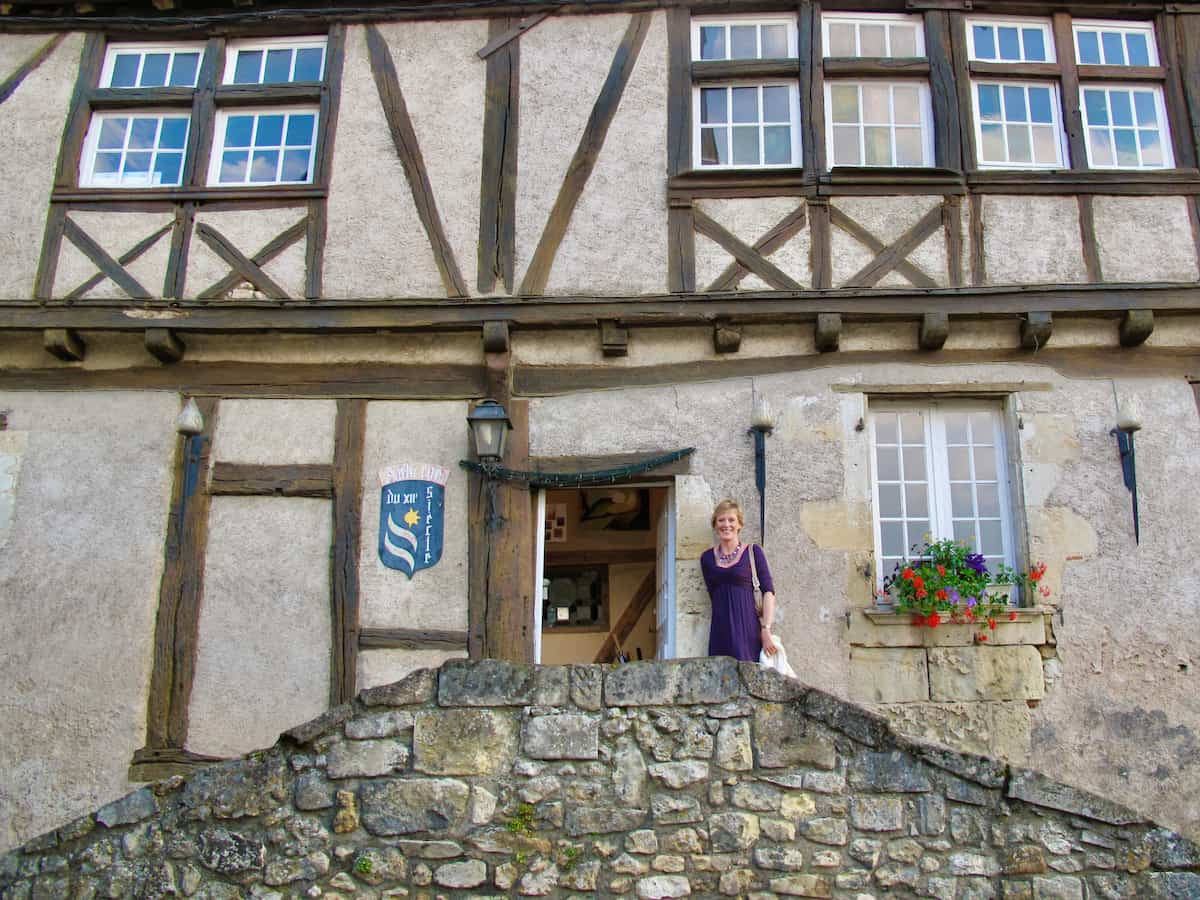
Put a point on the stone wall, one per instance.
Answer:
(699, 777)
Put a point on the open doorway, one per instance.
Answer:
(606, 563)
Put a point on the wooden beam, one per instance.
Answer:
(726, 338)
(177, 626)
(1087, 238)
(681, 247)
(580, 168)
(744, 254)
(618, 635)
(349, 439)
(404, 137)
(79, 112)
(587, 463)
(13, 81)
(614, 340)
(495, 337)
(175, 280)
(679, 90)
(508, 33)
(410, 639)
(1187, 129)
(164, 345)
(1036, 329)
(240, 263)
(812, 92)
(886, 257)
(952, 224)
(64, 343)
(243, 480)
(595, 557)
(270, 250)
(828, 333)
(1136, 327)
(779, 235)
(820, 248)
(316, 228)
(935, 328)
(1064, 41)
(103, 261)
(732, 69)
(496, 259)
(943, 90)
(978, 258)
(962, 85)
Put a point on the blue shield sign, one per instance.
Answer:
(412, 517)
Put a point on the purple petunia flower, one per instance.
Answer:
(953, 595)
(976, 562)
(971, 601)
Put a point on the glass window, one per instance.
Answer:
(939, 472)
(256, 147)
(770, 37)
(1018, 125)
(877, 123)
(873, 35)
(151, 65)
(1015, 41)
(275, 62)
(1126, 127)
(1115, 44)
(742, 125)
(143, 149)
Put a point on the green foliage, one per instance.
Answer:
(364, 865)
(521, 857)
(522, 821)
(570, 856)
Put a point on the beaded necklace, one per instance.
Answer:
(729, 557)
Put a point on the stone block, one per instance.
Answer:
(415, 687)
(629, 772)
(228, 853)
(602, 820)
(671, 809)
(851, 720)
(826, 830)
(964, 863)
(767, 684)
(779, 859)
(322, 724)
(587, 687)
(802, 886)
(375, 865)
(1041, 791)
(879, 631)
(464, 742)
(730, 832)
(561, 737)
(461, 875)
(755, 796)
(379, 725)
(785, 736)
(494, 682)
(733, 749)
(1058, 887)
(1169, 850)
(406, 807)
(886, 675)
(661, 887)
(985, 673)
(684, 681)
(678, 775)
(1169, 885)
(871, 813)
(133, 807)
(313, 792)
(366, 759)
(892, 772)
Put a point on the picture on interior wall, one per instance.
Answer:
(556, 523)
(577, 598)
(616, 509)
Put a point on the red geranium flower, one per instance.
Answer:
(922, 593)
(1012, 616)
(940, 593)
(934, 620)
(992, 624)
(942, 571)
(918, 582)
(907, 574)
(1036, 573)
(982, 638)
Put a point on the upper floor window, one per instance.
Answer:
(1115, 44)
(744, 38)
(145, 139)
(873, 36)
(1006, 40)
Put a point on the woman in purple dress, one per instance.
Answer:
(736, 629)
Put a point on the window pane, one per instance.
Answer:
(1143, 103)
(962, 503)
(270, 131)
(956, 428)
(886, 429)
(167, 167)
(1045, 146)
(1019, 148)
(910, 148)
(985, 463)
(233, 167)
(279, 66)
(906, 101)
(308, 64)
(892, 538)
(873, 40)
(1014, 104)
(712, 146)
(300, 130)
(184, 68)
(295, 165)
(112, 133)
(988, 496)
(889, 501)
(1089, 48)
(174, 134)
(264, 165)
(1151, 145)
(877, 143)
(1139, 49)
(745, 145)
(959, 459)
(777, 145)
(965, 531)
(990, 538)
(154, 70)
(841, 40)
(876, 103)
(917, 530)
(1010, 44)
(1122, 109)
(916, 500)
(904, 41)
(912, 428)
(137, 163)
(914, 463)
(992, 143)
(985, 41)
(1039, 105)
(143, 133)
(845, 103)
(989, 101)
(845, 146)
(125, 68)
(713, 106)
(887, 463)
(247, 67)
(712, 42)
(107, 163)
(981, 428)
(1114, 48)
(1101, 147)
(238, 130)
(775, 104)
(1126, 148)
(1096, 106)
(743, 41)
(745, 104)
(1035, 44)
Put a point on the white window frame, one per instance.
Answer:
(1160, 108)
(91, 146)
(112, 51)
(265, 44)
(926, 123)
(937, 473)
(793, 37)
(1121, 27)
(793, 89)
(218, 143)
(1008, 22)
(858, 19)
(1057, 124)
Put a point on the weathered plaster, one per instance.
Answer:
(749, 220)
(399, 433)
(116, 233)
(888, 218)
(833, 525)
(1083, 332)
(857, 336)
(408, 349)
(12, 451)
(1145, 239)
(31, 123)
(249, 231)
(275, 432)
(1010, 257)
(79, 590)
(659, 346)
(263, 652)
(966, 334)
(1175, 331)
(594, 256)
(377, 667)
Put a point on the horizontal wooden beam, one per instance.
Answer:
(410, 639)
(595, 557)
(238, 479)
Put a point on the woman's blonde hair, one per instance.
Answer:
(728, 505)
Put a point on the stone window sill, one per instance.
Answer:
(886, 628)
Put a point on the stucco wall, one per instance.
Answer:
(89, 479)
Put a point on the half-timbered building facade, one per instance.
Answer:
(261, 261)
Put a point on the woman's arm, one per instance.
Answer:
(768, 617)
